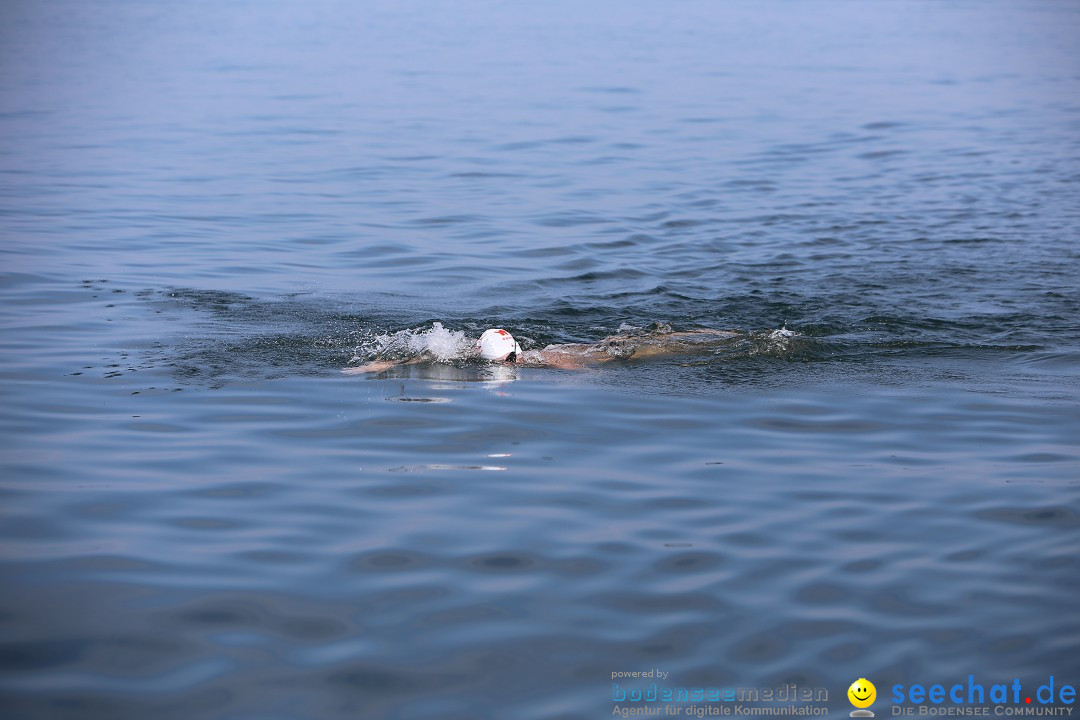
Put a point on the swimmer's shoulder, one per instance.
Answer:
(562, 357)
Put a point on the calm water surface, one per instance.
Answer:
(208, 209)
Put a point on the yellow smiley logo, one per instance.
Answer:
(862, 693)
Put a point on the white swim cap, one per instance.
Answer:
(497, 344)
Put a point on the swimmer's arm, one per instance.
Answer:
(379, 366)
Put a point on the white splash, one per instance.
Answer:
(777, 343)
(780, 341)
(440, 344)
(655, 327)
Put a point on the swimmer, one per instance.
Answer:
(499, 346)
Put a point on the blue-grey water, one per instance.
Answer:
(207, 209)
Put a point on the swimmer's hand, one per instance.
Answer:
(379, 366)
(371, 367)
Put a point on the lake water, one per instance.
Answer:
(208, 209)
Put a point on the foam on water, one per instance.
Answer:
(438, 342)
